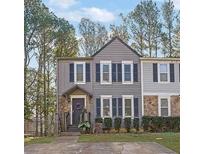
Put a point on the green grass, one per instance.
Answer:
(169, 140)
(38, 140)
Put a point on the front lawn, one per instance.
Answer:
(38, 140)
(169, 140)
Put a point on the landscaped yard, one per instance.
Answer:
(38, 140)
(169, 140)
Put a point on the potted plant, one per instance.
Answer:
(84, 126)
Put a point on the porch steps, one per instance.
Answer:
(73, 129)
(70, 134)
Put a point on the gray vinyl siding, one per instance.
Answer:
(116, 52)
(64, 83)
(155, 87)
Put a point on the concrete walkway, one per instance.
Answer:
(69, 145)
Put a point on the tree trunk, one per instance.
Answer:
(44, 85)
(141, 45)
(156, 49)
(41, 122)
(48, 86)
(170, 43)
(38, 94)
(150, 48)
(25, 71)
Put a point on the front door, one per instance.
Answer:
(77, 107)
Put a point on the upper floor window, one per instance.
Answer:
(127, 72)
(105, 72)
(164, 107)
(163, 72)
(79, 69)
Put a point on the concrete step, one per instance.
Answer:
(73, 129)
(70, 134)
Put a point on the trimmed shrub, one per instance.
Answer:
(98, 120)
(127, 123)
(136, 124)
(145, 122)
(117, 124)
(161, 124)
(108, 123)
(175, 124)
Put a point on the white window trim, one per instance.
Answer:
(168, 73)
(123, 72)
(75, 73)
(101, 104)
(101, 72)
(71, 108)
(159, 105)
(123, 105)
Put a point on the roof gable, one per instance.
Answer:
(114, 38)
(74, 88)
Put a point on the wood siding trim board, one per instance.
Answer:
(159, 59)
(73, 58)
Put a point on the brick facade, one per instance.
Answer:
(150, 105)
(175, 105)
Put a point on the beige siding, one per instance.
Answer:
(154, 87)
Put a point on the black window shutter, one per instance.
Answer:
(136, 110)
(87, 72)
(135, 73)
(114, 107)
(119, 70)
(119, 107)
(171, 67)
(155, 73)
(97, 72)
(98, 110)
(114, 73)
(71, 72)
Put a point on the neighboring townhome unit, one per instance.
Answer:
(160, 86)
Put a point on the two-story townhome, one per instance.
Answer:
(115, 82)
(160, 86)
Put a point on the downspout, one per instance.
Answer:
(142, 90)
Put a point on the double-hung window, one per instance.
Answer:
(127, 72)
(106, 105)
(105, 72)
(79, 69)
(164, 106)
(128, 108)
(163, 72)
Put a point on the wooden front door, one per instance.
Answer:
(77, 107)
